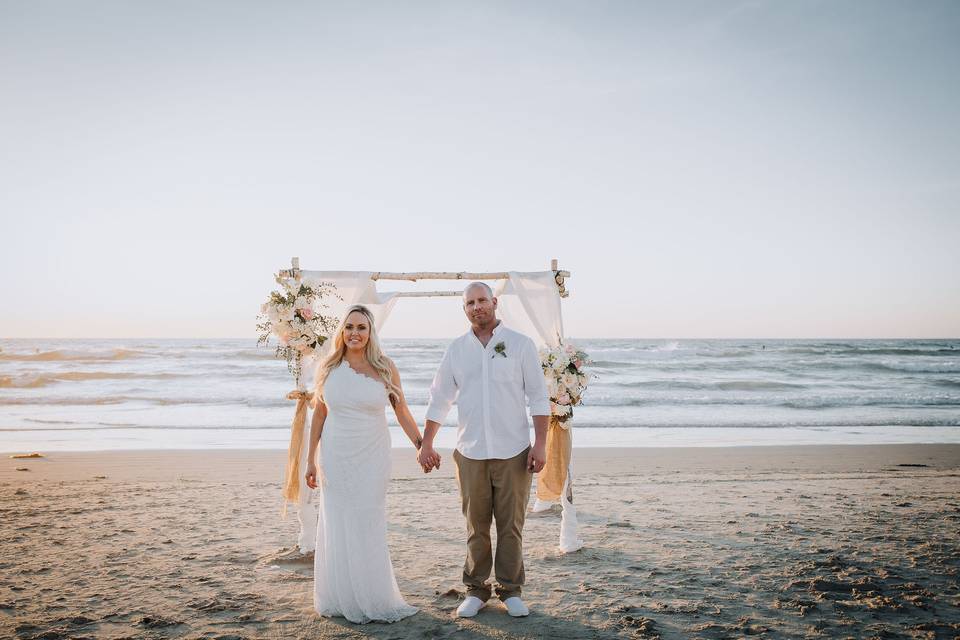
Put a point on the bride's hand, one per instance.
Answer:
(311, 476)
(428, 458)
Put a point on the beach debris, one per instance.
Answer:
(912, 464)
(677, 606)
(214, 605)
(23, 469)
(800, 606)
(643, 627)
(24, 456)
(834, 562)
(99, 477)
(20, 492)
(744, 624)
(154, 622)
(452, 592)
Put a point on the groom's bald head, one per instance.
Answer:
(474, 285)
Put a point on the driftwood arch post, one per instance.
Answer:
(558, 438)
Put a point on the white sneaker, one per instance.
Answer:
(516, 608)
(470, 607)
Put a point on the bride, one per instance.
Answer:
(353, 575)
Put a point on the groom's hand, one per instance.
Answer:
(428, 458)
(537, 458)
(421, 461)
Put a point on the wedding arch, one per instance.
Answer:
(529, 302)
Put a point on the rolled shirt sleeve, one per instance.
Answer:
(534, 382)
(443, 390)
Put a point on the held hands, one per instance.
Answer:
(537, 457)
(428, 458)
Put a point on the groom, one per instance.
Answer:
(488, 371)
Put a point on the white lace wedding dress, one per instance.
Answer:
(353, 575)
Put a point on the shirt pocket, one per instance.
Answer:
(505, 369)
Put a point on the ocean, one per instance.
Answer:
(83, 395)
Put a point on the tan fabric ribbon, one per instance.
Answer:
(550, 480)
(291, 485)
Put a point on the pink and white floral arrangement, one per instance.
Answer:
(294, 316)
(563, 367)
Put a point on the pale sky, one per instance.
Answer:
(704, 169)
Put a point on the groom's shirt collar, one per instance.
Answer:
(495, 331)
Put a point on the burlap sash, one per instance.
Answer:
(550, 480)
(292, 480)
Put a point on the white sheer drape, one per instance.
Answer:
(529, 302)
(354, 287)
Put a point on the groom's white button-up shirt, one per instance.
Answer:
(489, 384)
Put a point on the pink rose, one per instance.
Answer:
(307, 313)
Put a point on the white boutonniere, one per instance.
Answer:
(499, 349)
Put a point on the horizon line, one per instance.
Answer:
(452, 337)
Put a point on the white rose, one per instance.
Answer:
(286, 313)
(569, 380)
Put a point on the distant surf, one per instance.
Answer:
(105, 394)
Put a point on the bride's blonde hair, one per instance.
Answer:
(373, 353)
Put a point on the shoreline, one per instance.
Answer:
(171, 464)
(611, 438)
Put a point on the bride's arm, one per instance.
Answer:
(404, 417)
(316, 429)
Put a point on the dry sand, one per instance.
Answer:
(785, 542)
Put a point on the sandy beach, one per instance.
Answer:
(804, 541)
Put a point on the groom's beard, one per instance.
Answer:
(484, 320)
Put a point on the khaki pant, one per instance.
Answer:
(494, 489)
